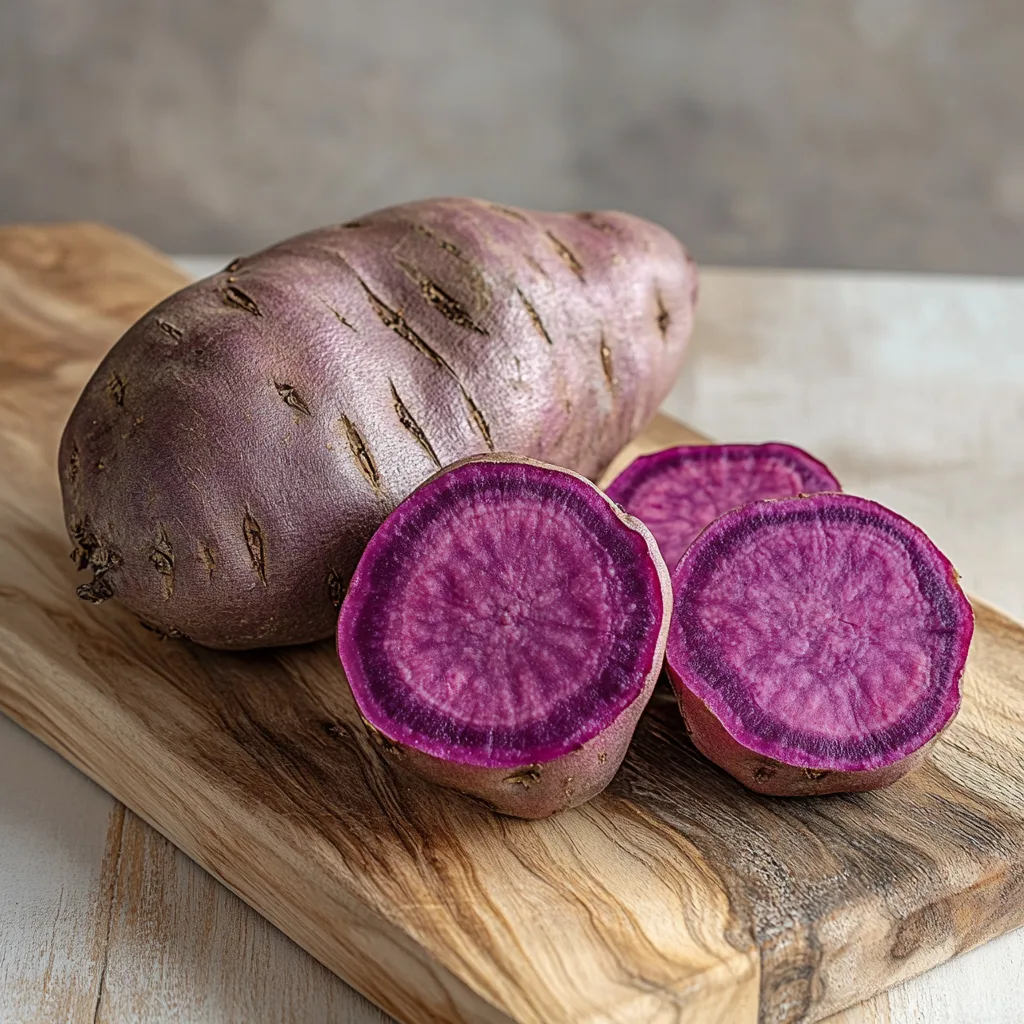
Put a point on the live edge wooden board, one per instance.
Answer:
(675, 896)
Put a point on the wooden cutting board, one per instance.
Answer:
(675, 896)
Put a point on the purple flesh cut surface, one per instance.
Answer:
(678, 491)
(506, 617)
(817, 643)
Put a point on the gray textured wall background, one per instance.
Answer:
(864, 133)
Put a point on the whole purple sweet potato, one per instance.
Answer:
(235, 451)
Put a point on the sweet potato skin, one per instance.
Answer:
(773, 778)
(234, 452)
(539, 790)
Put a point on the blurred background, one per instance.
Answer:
(885, 134)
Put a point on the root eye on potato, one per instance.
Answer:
(276, 412)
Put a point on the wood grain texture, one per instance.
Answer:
(103, 921)
(675, 896)
(201, 952)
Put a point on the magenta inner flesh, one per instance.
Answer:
(823, 632)
(502, 616)
(677, 492)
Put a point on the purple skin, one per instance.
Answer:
(817, 644)
(678, 491)
(503, 632)
(237, 448)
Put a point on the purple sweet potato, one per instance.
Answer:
(504, 630)
(235, 451)
(678, 491)
(817, 644)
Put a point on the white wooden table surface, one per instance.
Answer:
(911, 388)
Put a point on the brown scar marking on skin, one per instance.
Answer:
(361, 454)
(443, 243)
(99, 590)
(162, 634)
(477, 418)
(606, 363)
(341, 319)
(161, 554)
(525, 777)
(169, 329)
(663, 318)
(208, 557)
(335, 589)
(74, 463)
(531, 312)
(256, 545)
(507, 211)
(536, 266)
(234, 296)
(405, 417)
(291, 397)
(597, 223)
(116, 387)
(394, 320)
(91, 553)
(566, 255)
(447, 305)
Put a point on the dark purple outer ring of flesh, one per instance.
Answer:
(382, 702)
(689, 651)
